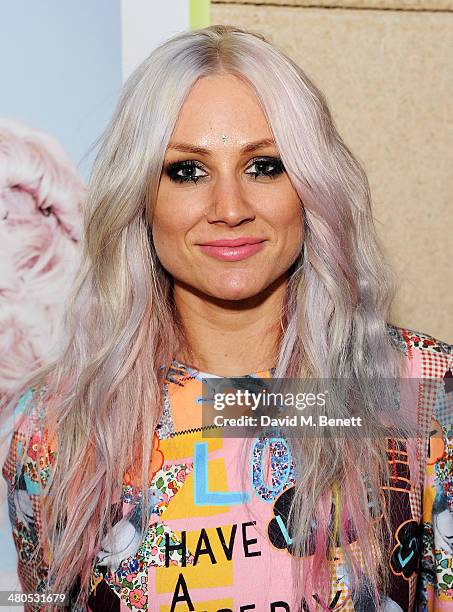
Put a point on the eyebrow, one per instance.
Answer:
(248, 148)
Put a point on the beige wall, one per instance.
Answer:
(388, 77)
(406, 5)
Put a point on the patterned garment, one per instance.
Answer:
(214, 546)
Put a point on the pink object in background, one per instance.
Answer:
(41, 196)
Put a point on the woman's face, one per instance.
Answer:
(220, 184)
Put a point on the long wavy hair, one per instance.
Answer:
(104, 395)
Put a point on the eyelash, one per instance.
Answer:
(173, 168)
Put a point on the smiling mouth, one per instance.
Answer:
(233, 250)
(233, 242)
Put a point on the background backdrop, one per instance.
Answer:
(385, 66)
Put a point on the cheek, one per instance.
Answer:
(162, 228)
(169, 230)
(289, 224)
(294, 242)
(291, 212)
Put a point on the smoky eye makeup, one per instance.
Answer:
(184, 171)
(267, 166)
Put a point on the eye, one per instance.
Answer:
(188, 169)
(274, 167)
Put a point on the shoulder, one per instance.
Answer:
(434, 355)
(31, 454)
(430, 362)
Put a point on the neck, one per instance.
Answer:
(230, 338)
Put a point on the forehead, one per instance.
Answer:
(221, 104)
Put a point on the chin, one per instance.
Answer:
(233, 293)
(232, 296)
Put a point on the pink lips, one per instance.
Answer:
(233, 249)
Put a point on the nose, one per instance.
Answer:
(229, 203)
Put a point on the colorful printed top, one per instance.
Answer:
(214, 545)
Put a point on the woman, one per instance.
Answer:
(227, 232)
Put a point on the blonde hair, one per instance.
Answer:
(105, 389)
